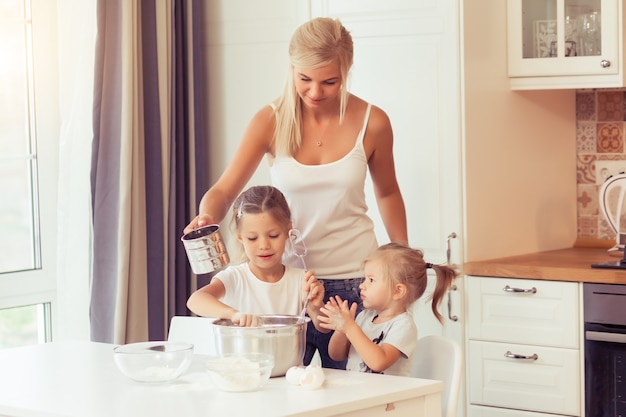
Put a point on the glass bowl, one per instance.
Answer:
(240, 372)
(153, 361)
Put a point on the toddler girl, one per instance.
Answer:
(383, 337)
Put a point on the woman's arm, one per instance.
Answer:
(379, 146)
(255, 143)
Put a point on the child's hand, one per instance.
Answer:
(314, 290)
(338, 316)
(245, 320)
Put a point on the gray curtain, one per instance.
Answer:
(149, 165)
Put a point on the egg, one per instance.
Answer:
(312, 377)
(313, 366)
(294, 374)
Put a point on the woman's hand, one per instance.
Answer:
(199, 221)
(245, 320)
(337, 315)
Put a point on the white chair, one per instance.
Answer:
(440, 358)
(196, 330)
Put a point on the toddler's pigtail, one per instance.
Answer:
(445, 277)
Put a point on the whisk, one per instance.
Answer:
(299, 248)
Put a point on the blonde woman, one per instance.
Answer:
(320, 140)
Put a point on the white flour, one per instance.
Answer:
(158, 373)
(236, 374)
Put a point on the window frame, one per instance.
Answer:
(39, 285)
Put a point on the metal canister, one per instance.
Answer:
(205, 249)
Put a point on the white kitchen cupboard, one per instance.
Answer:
(524, 346)
(565, 44)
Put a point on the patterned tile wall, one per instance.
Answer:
(600, 125)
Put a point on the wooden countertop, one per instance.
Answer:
(573, 264)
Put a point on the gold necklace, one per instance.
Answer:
(319, 142)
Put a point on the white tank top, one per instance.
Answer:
(328, 206)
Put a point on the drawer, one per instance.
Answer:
(546, 314)
(479, 411)
(549, 384)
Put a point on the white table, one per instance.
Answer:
(80, 379)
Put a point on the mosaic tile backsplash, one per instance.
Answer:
(600, 125)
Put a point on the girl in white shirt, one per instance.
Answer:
(383, 337)
(262, 284)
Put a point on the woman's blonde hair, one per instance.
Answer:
(404, 265)
(316, 43)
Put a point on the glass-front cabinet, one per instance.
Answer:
(565, 43)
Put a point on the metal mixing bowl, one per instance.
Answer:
(282, 336)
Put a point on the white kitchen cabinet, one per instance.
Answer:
(533, 312)
(524, 346)
(565, 44)
(547, 382)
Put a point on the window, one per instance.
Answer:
(25, 325)
(27, 172)
(18, 168)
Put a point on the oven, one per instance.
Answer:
(605, 349)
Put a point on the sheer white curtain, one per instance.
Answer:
(76, 40)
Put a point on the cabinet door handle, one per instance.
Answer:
(510, 355)
(532, 290)
(450, 316)
(605, 64)
(448, 250)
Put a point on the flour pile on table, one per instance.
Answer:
(236, 374)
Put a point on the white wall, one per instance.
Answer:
(246, 56)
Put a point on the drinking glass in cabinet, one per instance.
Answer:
(546, 28)
(590, 33)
